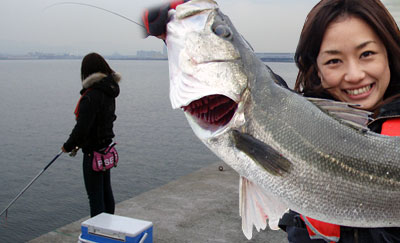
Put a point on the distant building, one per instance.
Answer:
(276, 57)
(150, 55)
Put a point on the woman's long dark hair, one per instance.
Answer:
(94, 63)
(373, 12)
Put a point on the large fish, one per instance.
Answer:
(313, 156)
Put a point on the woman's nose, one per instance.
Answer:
(354, 72)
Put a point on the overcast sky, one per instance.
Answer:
(28, 25)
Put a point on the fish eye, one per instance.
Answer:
(223, 31)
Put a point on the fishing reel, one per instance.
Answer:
(74, 151)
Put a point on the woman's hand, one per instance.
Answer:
(156, 19)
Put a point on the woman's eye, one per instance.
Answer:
(367, 53)
(332, 62)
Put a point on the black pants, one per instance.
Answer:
(98, 188)
(297, 232)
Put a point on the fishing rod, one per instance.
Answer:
(93, 6)
(30, 183)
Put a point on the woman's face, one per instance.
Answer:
(352, 63)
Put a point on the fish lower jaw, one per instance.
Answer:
(203, 130)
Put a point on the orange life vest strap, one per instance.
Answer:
(76, 112)
(391, 127)
(321, 230)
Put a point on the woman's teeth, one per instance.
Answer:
(359, 91)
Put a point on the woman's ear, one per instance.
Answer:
(319, 74)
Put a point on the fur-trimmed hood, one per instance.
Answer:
(106, 83)
(96, 77)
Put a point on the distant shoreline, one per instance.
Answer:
(80, 58)
(265, 57)
(288, 60)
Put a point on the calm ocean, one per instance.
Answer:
(155, 143)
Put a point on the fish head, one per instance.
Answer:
(208, 77)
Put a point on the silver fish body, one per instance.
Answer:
(314, 163)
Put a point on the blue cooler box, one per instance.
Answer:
(109, 228)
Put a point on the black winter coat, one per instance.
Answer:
(95, 113)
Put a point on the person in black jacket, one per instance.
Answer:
(95, 115)
(349, 51)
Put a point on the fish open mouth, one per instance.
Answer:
(212, 111)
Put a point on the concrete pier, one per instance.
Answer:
(200, 207)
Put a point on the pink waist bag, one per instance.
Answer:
(105, 159)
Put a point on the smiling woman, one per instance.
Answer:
(371, 34)
(352, 63)
(348, 51)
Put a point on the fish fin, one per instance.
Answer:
(247, 223)
(262, 153)
(256, 206)
(345, 112)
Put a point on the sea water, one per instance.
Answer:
(38, 97)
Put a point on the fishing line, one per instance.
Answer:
(93, 6)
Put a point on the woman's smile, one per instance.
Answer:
(360, 93)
